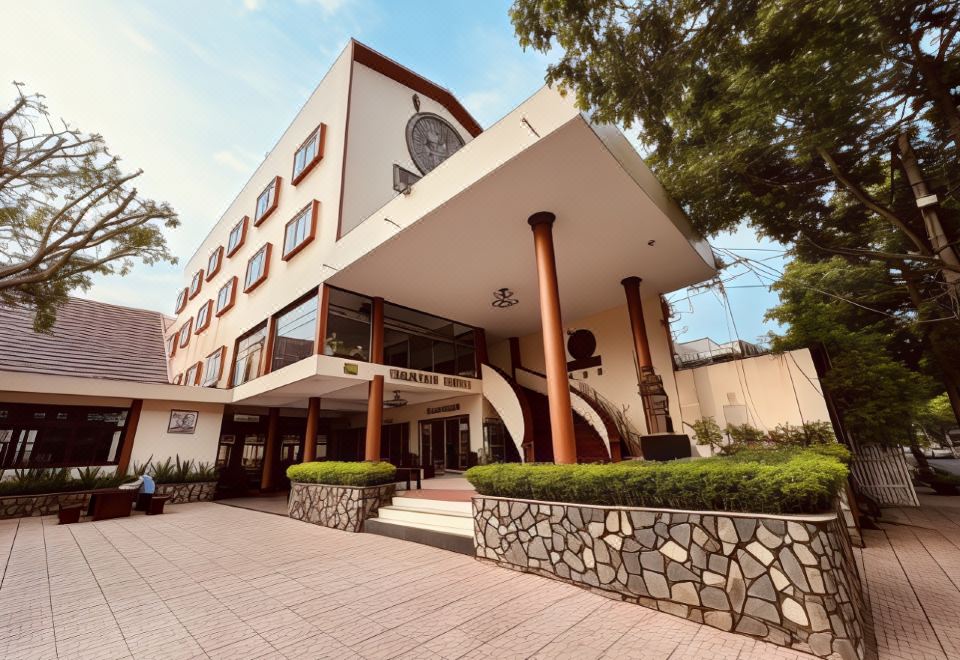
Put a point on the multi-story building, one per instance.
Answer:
(394, 281)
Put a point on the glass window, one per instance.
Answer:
(267, 201)
(246, 364)
(213, 263)
(428, 343)
(185, 332)
(299, 231)
(203, 316)
(181, 300)
(237, 235)
(213, 367)
(193, 375)
(307, 154)
(196, 282)
(348, 326)
(225, 296)
(171, 345)
(295, 333)
(257, 268)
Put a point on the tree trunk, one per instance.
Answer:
(938, 91)
(923, 465)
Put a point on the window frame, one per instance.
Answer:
(188, 326)
(212, 273)
(198, 278)
(267, 249)
(259, 220)
(208, 306)
(222, 350)
(181, 300)
(172, 342)
(313, 208)
(178, 379)
(244, 221)
(264, 327)
(196, 379)
(233, 296)
(318, 135)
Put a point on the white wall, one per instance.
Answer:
(152, 439)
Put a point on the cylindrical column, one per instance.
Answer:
(635, 310)
(129, 435)
(270, 449)
(374, 418)
(310, 435)
(376, 336)
(554, 352)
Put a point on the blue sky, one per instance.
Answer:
(195, 93)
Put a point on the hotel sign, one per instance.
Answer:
(442, 409)
(430, 379)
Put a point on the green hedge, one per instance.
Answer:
(781, 481)
(341, 473)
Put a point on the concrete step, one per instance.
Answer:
(432, 518)
(445, 538)
(442, 506)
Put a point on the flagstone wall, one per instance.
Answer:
(339, 507)
(25, 506)
(787, 580)
(198, 491)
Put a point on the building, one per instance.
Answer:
(393, 281)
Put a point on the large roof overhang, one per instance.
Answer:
(462, 232)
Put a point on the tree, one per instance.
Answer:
(67, 211)
(811, 121)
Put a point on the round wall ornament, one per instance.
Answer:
(431, 140)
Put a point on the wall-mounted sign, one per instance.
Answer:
(414, 376)
(459, 383)
(351, 369)
(240, 417)
(442, 409)
(431, 140)
(582, 345)
(183, 421)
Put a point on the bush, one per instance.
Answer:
(341, 473)
(176, 471)
(783, 481)
(39, 481)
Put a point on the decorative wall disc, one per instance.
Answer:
(431, 140)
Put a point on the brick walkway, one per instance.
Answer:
(207, 580)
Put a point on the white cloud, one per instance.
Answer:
(329, 6)
(252, 5)
(137, 39)
(237, 159)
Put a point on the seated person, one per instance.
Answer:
(149, 486)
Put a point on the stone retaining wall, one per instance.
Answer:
(198, 491)
(26, 506)
(339, 507)
(787, 580)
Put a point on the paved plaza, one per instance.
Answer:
(207, 580)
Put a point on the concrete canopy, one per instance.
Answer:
(462, 233)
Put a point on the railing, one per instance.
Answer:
(628, 433)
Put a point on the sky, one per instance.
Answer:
(196, 93)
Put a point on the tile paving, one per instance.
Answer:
(211, 581)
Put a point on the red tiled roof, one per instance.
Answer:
(90, 339)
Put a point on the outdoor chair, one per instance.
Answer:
(69, 513)
(155, 506)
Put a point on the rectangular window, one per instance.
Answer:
(309, 154)
(348, 326)
(196, 283)
(185, 333)
(171, 346)
(213, 367)
(181, 301)
(226, 296)
(295, 333)
(192, 377)
(203, 317)
(237, 236)
(214, 262)
(300, 231)
(246, 363)
(257, 269)
(267, 201)
(415, 340)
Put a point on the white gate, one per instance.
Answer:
(881, 473)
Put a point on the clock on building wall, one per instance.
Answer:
(431, 140)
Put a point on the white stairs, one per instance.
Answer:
(440, 523)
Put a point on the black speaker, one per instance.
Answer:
(665, 446)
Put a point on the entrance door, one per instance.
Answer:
(445, 443)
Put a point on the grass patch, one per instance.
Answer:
(343, 473)
(754, 481)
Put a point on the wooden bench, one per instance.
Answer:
(155, 506)
(106, 504)
(409, 474)
(70, 513)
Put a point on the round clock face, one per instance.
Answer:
(431, 140)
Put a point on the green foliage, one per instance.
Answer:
(796, 481)
(708, 433)
(37, 481)
(177, 471)
(342, 473)
(164, 473)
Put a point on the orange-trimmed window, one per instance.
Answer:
(192, 377)
(308, 154)
(257, 268)
(301, 230)
(237, 236)
(181, 301)
(267, 201)
(195, 284)
(203, 317)
(226, 296)
(214, 262)
(178, 379)
(171, 345)
(213, 367)
(185, 333)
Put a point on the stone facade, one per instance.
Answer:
(25, 506)
(198, 491)
(789, 580)
(339, 507)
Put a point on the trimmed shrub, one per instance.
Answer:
(342, 473)
(782, 481)
(40, 481)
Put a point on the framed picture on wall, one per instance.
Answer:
(183, 421)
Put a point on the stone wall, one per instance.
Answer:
(25, 506)
(198, 491)
(787, 580)
(339, 507)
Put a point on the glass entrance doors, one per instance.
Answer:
(445, 443)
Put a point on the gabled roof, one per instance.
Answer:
(90, 339)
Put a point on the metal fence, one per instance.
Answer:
(882, 473)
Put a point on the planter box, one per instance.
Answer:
(789, 580)
(339, 507)
(47, 504)
(197, 491)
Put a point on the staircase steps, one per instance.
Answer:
(590, 446)
(438, 523)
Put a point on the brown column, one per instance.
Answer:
(635, 310)
(480, 348)
(129, 435)
(376, 336)
(323, 304)
(554, 352)
(515, 361)
(374, 419)
(270, 449)
(310, 435)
